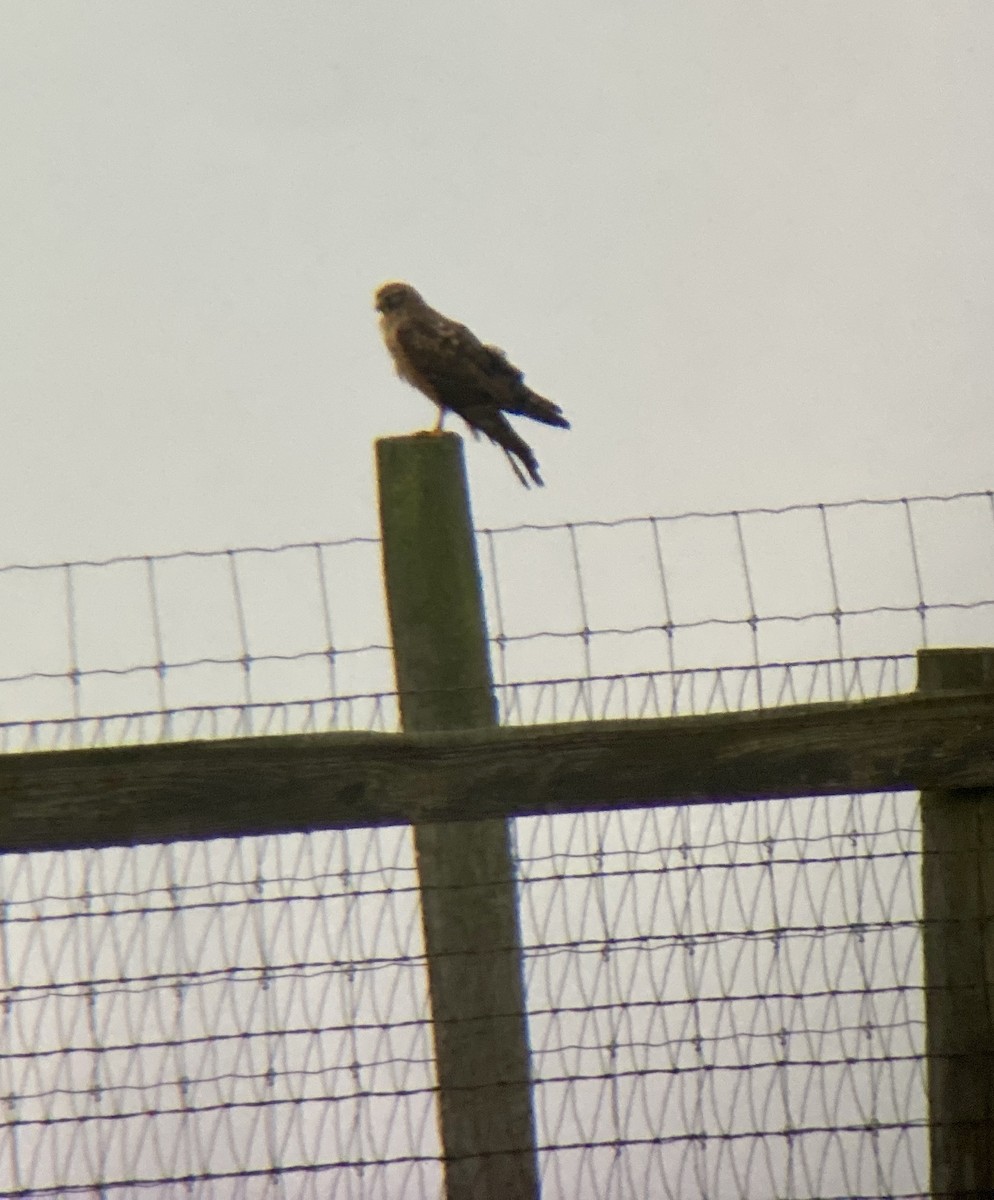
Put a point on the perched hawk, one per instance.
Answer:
(457, 371)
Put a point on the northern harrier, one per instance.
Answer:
(460, 373)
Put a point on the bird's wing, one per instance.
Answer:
(473, 380)
(457, 367)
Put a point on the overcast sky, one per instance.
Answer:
(748, 248)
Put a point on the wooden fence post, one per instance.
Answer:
(466, 870)
(958, 940)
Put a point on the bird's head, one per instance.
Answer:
(392, 297)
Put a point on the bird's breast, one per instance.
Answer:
(405, 368)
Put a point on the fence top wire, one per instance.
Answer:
(174, 555)
(541, 527)
(694, 514)
(646, 615)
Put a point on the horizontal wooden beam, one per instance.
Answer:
(158, 793)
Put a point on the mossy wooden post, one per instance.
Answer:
(466, 870)
(958, 912)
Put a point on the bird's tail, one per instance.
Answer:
(498, 429)
(527, 403)
(533, 469)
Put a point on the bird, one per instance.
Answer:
(455, 370)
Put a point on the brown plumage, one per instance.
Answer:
(458, 372)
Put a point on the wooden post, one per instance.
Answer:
(468, 895)
(958, 912)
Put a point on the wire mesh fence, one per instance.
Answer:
(723, 1000)
(647, 616)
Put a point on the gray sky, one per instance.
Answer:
(747, 247)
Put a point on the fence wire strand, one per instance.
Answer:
(722, 1000)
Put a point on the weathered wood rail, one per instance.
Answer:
(69, 799)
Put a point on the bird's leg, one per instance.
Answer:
(436, 428)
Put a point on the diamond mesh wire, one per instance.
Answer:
(724, 1000)
(727, 1001)
(219, 1014)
